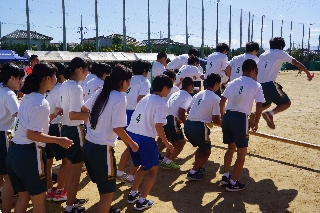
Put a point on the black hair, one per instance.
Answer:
(118, 74)
(186, 82)
(222, 47)
(39, 72)
(140, 66)
(249, 65)
(171, 74)
(194, 52)
(74, 64)
(168, 60)
(94, 67)
(252, 46)
(193, 59)
(161, 55)
(160, 82)
(212, 79)
(32, 57)
(101, 69)
(277, 43)
(60, 68)
(8, 70)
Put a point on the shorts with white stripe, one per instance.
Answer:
(198, 134)
(5, 139)
(273, 93)
(77, 135)
(101, 166)
(26, 165)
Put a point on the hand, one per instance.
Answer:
(194, 77)
(65, 142)
(134, 146)
(58, 111)
(254, 127)
(170, 147)
(309, 76)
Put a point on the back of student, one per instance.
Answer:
(139, 85)
(236, 64)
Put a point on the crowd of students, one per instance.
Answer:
(76, 117)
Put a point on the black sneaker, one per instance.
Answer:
(113, 210)
(79, 202)
(133, 199)
(225, 180)
(76, 209)
(195, 176)
(236, 187)
(54, 178)
(160, 157)
(202, 170)
(145, 205)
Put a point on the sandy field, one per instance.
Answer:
(279, 177)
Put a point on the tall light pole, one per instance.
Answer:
(217, 31)
(241, 32)
(229, 34)
(290, 39)
(97, 26)
(281, 27)
(249, 27)
(252, 28)
(202, 33)
(319, 48)
(187, 27)
(272, 29)
(124, 27)
(64, 27)
(309, 44)
(149, 49)
(261, 32)
(168, 26)
(28, 26)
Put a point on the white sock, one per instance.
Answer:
(141, 199)
(165, 160)
(233, 182)
(168, 161)
(192, 171)
(130, 178)
(133, 193)
(226, 174)
(271, 112)
(69, 208)
(120, 173)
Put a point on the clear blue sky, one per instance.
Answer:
(46, 18)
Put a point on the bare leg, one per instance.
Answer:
(265, 107)
(105, 202)
(124, 159)
(22, 203)
(49, 173)
(178, 147)
(38, 202)
(201, 159)
(62, 174)
(228, 157)
(7, 195)
(68, 175)
(241, 155)
(73, 185)
(281, 107)
(161, 145)
(138, 178)
(149, 182)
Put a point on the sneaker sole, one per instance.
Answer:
(269, 123)
(132, 202)
(193, 179)
(59, 200)
(128, 184)
(145, 207)
(169, 168)
(224, 182)
(234, 190)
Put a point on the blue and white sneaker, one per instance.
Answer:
(195, 176)
(145, 205)
(225, 180)
(202, 170)
(234, 188)
(133, 199)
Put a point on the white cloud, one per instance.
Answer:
(315, 30)
(179, 38)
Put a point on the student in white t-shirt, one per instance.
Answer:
(101, 71)
(217, 62)
(178, 105)
(139, 88)
(234, 69)
(54, 150)
(26, 155)
(240, 94)
(181, 60)
(11, 76)
(146, 123)
(107, 120)
(204, 108)
(269, 65)
(157, 66)
(71, 101)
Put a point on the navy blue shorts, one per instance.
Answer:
(173, 130)
(129, 115)
(26, 166)
(101, 166)
(273, 93)
(77, 134)
(235, 129)
(147, 155)
(5, 140)
(198, 134)
(54, 150)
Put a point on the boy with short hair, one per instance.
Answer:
(269, 65)
(178, 105)
(146, 123)
(204, 108)
(240, 94)
(234, 69)
(158, 66)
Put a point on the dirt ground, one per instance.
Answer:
(279, 177)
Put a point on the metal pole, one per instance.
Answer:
(149, 26)
(28, 26)
(64, 27)
(81, 31)
(97, 26)
(187, 26)
(302, 37)
(202, 44)
(261, 32)
(281, 27)
(217, 23)
(124, 27)
(168, 26)
(272, 30)
(318, 48)
(252, 28)
(249, 27)
(308, 44)
(290, 39)
(241, 32)
(0, 29)
(229, 34)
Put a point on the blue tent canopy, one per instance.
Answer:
(9, 55)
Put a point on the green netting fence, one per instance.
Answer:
(311, 65)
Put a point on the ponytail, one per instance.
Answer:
(113, 82)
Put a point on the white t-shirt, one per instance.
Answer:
(91, 87)
(216, 63)
(236, 64)
(241, 93)
(33, 114)
(113, 116)
(87, 79)
(8, 107)
(178, 62)
(180, 99)
(70, 100)
(187, 71)
(139, 85)
(270, 64)
(173, 90)
(201, 70)
(203, 105)
(157, 69)
(53, 97)
(150, 111)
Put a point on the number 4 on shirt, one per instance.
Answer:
(138, 118)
